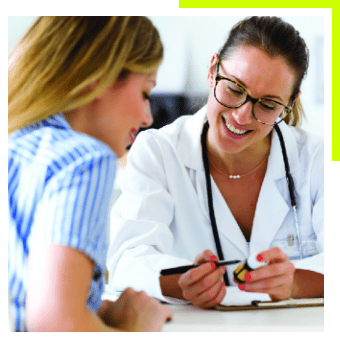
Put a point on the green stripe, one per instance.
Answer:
(91, 4)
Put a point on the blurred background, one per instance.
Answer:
(189, 43)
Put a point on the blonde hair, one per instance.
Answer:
(294, 118)
(51, 68)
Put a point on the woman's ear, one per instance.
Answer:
(212, 69)
(297, 96)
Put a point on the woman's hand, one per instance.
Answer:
(204, 286)
(275, 279)
(136, 312)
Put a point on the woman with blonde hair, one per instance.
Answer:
(79, 91)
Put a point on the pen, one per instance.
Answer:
(183, 269)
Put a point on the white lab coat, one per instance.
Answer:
(162, 218)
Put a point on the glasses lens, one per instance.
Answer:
(268, 111)
(229, 93)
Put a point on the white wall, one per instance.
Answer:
(190, 41)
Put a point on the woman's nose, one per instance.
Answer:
(244, 115)
(147, 118)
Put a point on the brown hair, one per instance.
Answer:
(51, 68)
(277, 38)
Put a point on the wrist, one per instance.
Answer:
(170, 287)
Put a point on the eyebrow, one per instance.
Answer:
(240, 82)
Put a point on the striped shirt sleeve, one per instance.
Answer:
(74, 208)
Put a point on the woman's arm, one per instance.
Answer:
(59, 279)
(307, 284)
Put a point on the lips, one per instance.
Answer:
(232, 129)
(133, 134)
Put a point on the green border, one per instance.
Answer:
(92, 4)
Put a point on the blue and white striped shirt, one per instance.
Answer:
(59, 189)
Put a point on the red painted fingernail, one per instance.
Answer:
(214, 257)
(247, 277)
(223, 283)
(213, 265)
(259, 257)
(241, 287)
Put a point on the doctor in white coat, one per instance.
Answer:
(163, 218)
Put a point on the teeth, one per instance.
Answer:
(234, 130)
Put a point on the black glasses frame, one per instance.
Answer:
(285, 111)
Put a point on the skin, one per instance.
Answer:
(116, 116)
(263, 77)
(59, 276)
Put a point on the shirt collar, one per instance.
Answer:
(57, 120)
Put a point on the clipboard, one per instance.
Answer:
(291, 303)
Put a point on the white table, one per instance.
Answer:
(188, 318)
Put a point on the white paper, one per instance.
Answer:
(237, 297)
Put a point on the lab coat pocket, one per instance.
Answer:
(290, 246)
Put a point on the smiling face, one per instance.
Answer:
(116, 115)
(236, 130)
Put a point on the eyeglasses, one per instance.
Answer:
(232, 95)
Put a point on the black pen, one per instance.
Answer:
(183, 269)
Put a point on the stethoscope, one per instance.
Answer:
(290, 183)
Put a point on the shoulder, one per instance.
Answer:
(308, 158)
(306, 139)
(168, 133)
(307, 145)
(50, 149)
(180, 136)
(310, 146)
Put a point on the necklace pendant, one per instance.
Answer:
(234, 176)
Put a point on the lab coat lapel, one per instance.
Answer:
(271, 210)
(273, 205)
(190, 152)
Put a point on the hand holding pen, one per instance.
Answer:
(203, 285)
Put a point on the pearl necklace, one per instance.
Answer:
(237, 176)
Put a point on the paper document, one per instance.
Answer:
(237, 297)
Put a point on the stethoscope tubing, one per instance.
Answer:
(290, 182)
(291, 187)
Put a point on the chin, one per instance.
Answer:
(119, 153)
